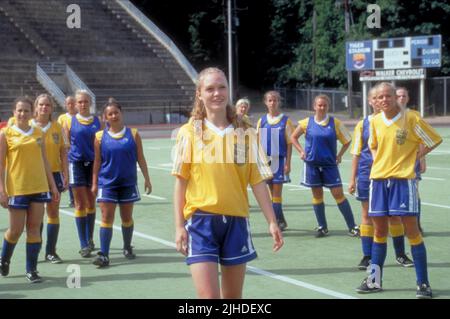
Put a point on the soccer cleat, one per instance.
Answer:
(354, 232)
(4, 267)
(367, 287)
(424, 292)
(101, 260)
(364, 263)
(85, 252)
(53, 258)
(282, 224)
(33, 277)
(128, 253)
(404, 261)
(91, 245)
(321, 232)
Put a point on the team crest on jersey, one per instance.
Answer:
(400, 136)
(55, 137)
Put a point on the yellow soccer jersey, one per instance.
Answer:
(11, 121)
(55, 140)
(216, 171)
(25, 170)
(342, 132)
(357, 140)
(396, 142)
(274, 120)
(63, 118)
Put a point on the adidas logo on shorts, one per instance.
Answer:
(403, 205)
(244, 249)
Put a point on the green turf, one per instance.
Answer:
(306, 267)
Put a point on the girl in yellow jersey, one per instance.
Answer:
(395, 136)
(242, 108)
(25, 171)
(55, 145)
(211, 203)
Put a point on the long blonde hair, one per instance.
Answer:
(50, 100)
(199, 110)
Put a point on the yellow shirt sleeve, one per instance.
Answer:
(289, 129)
(258, 125)
(426, 133)
(373, 142)
(342, 132)
(357, 140)
(98, 136)
(304, 124)
(183, 152)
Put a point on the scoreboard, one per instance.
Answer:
(394, 53)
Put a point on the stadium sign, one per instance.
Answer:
(393, 75)
(394, 53)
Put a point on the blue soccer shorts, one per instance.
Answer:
(321, 176)
(126, 194)
(80, 174)
(24, 201)
(362, 189)
(219, 238)
(277, 168)
(393, 197)
(58, 177)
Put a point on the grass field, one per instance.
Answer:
(305, 267)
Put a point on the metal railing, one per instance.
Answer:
(303, 98)
(50, 86)
(151, 28)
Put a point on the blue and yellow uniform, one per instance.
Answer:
(274, 135)
(217, 216)
(361, 148)
(55, 142)
(117, 179)
(393, 188)
(26, 182)
(320, 167)
(81, 157)
(321, 148)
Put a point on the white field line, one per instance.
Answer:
(154, 197)
(250, 268)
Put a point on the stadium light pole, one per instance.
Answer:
(230, 51)
(349, 73)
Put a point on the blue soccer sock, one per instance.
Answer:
(127, 233)
(379, 249)
(90, 224)
(367, 239)
(398, 238)
(33, 248)
(419, 255)
(52, 235)
(81, 221)
(319, 211)
(276, 204)
(106, 232)
(346, 211)
(8, 248)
